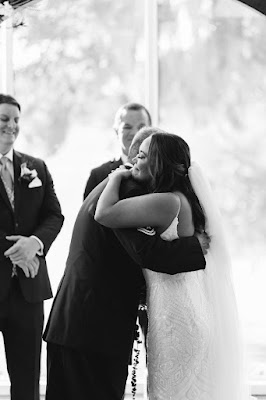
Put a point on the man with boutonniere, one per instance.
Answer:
(30, 220)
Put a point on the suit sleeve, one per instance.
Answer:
(93, 196)
(98, 174)
(152, 252)
(50, 216)
(92, 182)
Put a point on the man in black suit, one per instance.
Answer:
(91, 327)
(129, 119)
(30, 220)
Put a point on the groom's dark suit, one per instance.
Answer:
(95, 309)
(36, 212)
(98, 174)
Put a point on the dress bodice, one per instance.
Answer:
(169, 234)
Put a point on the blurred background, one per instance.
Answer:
(202, 74)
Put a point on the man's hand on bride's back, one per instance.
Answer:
(204, 240)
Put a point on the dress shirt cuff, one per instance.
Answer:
(39, 252)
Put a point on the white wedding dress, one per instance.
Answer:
(194, 348)
(179, 336)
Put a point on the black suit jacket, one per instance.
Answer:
(36, 212)
(98, 174)
(96, 304)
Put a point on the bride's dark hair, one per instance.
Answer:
(169, 160)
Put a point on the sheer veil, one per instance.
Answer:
(227, 350)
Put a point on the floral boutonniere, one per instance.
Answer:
(29, 176)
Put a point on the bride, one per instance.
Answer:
(194, 347)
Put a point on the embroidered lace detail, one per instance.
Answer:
(179, 352)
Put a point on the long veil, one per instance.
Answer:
(228, 373)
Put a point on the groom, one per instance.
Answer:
(91, 326)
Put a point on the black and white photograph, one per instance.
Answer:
(132, 200)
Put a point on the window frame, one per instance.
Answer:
(6, 47)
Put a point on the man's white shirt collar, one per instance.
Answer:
(9, 155)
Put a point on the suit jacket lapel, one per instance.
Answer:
(3, 193)
(17, 161)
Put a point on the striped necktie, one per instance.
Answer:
(7, 180)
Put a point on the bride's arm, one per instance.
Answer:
(156, 209)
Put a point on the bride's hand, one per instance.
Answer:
(121, 173)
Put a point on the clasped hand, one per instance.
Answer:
(204, 240)
(121, 172)
(23, 254)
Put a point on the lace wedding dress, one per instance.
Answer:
(179, 336)
(194, 347)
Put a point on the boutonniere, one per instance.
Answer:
(29, 176)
